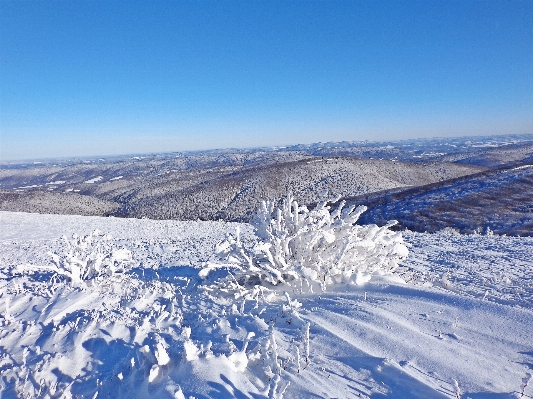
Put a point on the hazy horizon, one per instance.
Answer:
(251, 148)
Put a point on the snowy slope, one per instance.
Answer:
(460, 327)
(500, 200)
(166, 190)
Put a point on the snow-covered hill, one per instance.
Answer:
(454, 321)
(236, 195)
(210, 193)
(500, 200)
(229, 184)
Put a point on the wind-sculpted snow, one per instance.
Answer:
(461, 323)
(494, 268)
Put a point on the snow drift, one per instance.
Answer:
(460, 327)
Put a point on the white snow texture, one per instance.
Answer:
(300, 304)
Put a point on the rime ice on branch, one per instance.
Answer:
(302, 248)
(85, 258)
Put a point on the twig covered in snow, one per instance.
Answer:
(84, 258)
(525, 383)
(306, 339)
(457, 389)
(302, 248)
(278, 388)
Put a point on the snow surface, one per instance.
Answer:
(454, 321)
(94, 180)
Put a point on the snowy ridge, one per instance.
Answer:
(497, 200)
(150, 332)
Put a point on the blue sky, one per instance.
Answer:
(107, 77)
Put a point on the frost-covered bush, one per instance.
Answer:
(450, 231)
(85, 258)
(302, 248)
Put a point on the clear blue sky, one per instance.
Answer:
(108, 77)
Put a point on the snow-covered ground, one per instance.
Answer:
(456, 320)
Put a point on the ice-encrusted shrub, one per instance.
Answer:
(90, 256)
(450, 231)
(84, 258)
(302, 248)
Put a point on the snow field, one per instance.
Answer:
(151, 331)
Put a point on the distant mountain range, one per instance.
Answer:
(469, 183)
